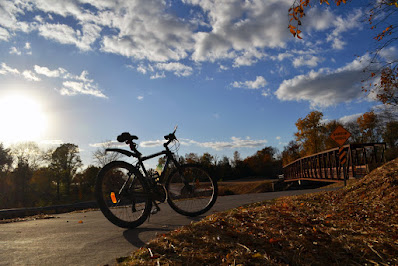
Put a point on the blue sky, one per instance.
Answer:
(229, 73)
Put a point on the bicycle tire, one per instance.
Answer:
(121, 209)
(195, 197)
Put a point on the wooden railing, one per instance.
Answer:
(326, 165)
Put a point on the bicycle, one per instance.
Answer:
(126, 192)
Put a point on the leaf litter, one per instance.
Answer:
(355, 225)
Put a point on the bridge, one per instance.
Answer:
(327, 166)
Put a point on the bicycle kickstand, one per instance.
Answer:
(156, 209)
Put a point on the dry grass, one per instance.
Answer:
(356, 225)
(244, 187)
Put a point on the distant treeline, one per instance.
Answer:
(313, 133)
(30, 176)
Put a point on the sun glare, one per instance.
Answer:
(21, 119)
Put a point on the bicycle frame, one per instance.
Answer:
(140, 164)
(169, 158)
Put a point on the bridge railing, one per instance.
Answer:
(326, 165)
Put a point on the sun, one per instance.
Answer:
(21, 119)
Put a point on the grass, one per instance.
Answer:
(354, 225)
(244, 187)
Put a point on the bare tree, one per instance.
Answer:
(101, 157)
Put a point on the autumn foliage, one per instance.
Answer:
(354, 225)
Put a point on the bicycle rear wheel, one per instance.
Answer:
(191, 190)
(123, 195)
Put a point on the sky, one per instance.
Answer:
(227, 72)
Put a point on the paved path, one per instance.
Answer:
(65, 241)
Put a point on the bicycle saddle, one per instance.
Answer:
(125, 136)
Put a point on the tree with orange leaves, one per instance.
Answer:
(369, 127)
(383, 17)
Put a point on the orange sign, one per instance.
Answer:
(340, 135)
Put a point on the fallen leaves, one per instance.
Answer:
(357, 224)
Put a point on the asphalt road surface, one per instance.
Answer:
(64, 241)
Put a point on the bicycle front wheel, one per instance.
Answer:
(191, 190)
(123, 195)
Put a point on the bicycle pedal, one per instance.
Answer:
(154, 211)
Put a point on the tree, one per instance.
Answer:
(383, 18)
(206, 160)
(390, 136)
(86, 182)
(5, 184)
(236, 159)
(369, 127)
(101, 157)
(42, 187)
(291, 152)
(311, 133)
(21, 177)
(353, 128)
(224, 168)
(263, 163)
(5, 158)
(191, 158)
(65, 161)
(28, 152)
(28, 157)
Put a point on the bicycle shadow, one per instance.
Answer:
(140, 236)
(134, 236)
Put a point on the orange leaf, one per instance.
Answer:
(274, 240)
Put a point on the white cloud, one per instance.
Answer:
(140, 98)
(107, 144)
(141, 69)
(71, 88)
(349, 118)
(318, 19)
(73, 84)
(389, 54)
(326, 87)
(146, 31)
(281, 56)
(238, 31)
(4, 35)
(240, 26)
(259, 82)
(14, 50)
(341, 25)
(28, 48)
(29, 75)
(4, 70)
(177, 68)
(158, 76)
(152, 143)
(248, 58)
(47, 72)
(233, 144)
(216, 145)
(265, 93)
(309, 60)
(65, 34)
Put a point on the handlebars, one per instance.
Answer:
(129, 139)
